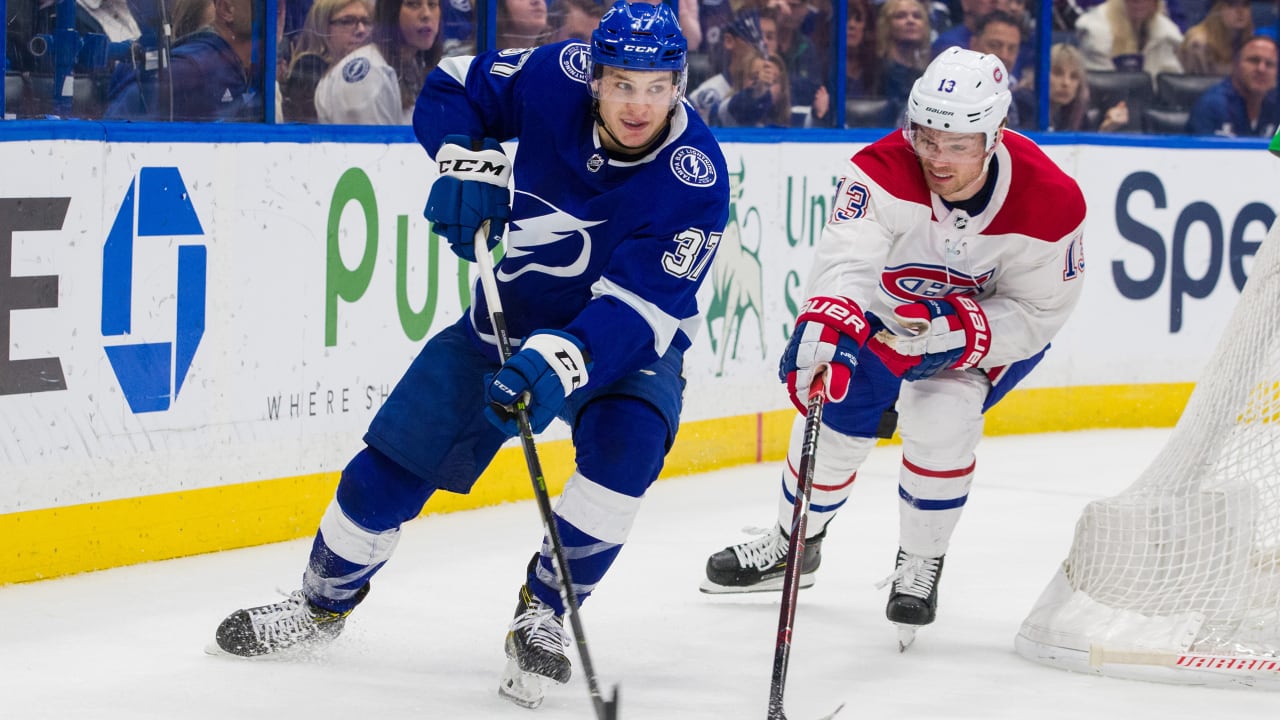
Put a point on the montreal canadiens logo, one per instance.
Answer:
(693, 167)
(355, 70)
(910, 283)
(573, 61)
(998, 74)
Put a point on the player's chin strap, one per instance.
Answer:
(640, 150)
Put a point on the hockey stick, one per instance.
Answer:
(605, 709)
(795, 548)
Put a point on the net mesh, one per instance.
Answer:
(1199, 531)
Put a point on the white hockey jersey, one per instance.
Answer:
(890, 241)
(361, 89)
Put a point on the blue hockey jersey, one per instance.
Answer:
(613, 251)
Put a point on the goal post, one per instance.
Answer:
(1177, 578)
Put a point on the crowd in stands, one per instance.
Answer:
(1203, 67)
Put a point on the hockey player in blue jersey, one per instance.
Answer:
(620, 197)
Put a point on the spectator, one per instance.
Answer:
(861, 64)
(1069, 95)
(804, 42)
(999, 33)
(378, 83)
(902, 42)
(1130, 35)
(961, 33)
(768, 19)
(1024, 13)
(332, 30)
(1244, 103)
(210, 75)
(742, 43)
(764, 99)
(690, 23)
(112, 18)
(575, 19)
(1207, 48)
(1065, 13)
(713, 17)
(189, 16)
(458, 26)
(522, 23)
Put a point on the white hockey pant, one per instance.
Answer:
(835, 467)
(940, 420)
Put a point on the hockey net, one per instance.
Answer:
(1177, 578)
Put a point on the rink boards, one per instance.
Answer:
(199, 332)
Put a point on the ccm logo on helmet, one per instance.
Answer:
(639, 49)
(484, 167)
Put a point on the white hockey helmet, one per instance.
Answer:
(962, 91)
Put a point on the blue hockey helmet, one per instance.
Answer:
(640, 36)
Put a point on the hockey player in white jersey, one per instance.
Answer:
(621, 194)
(951, 258)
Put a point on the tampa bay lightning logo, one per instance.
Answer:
(460, 5)
(693, 167)
(915, 282)
(545, 240)
(356, 69)
(573, 61)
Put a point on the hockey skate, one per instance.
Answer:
(913, 598)
(759, 565)
(289, 625)
(536, 644)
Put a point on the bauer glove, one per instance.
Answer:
(951, 333)
(829, 332)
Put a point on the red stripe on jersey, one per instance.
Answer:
(893, 165)
(1044, 202)
(938, 473)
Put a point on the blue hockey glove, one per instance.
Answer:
(829, 332)
(950, 333)
(471, 189)
(549, 366)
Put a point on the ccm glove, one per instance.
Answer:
(550, 365)
(471, 189)
(829, 333)
(950, 333)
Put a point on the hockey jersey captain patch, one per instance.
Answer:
(693, 167)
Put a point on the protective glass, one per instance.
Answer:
(654, 87)
(946, 147)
